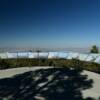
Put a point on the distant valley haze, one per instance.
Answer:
(70, 49)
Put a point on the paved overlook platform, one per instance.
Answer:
(48, 83)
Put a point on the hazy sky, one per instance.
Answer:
(49, 23)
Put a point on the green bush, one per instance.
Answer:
(92, 67)
(73, 63)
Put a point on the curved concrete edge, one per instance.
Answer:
(6, 73)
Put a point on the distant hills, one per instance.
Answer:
(10, 49)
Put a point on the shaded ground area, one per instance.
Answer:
(45, 84)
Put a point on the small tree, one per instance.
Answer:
(94, 49)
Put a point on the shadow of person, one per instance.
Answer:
(45, 84)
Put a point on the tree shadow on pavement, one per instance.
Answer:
(45, 84)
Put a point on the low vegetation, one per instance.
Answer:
(74, 63)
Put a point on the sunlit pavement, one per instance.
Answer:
(93, 92)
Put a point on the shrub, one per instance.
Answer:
(73, 63)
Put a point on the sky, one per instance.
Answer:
(49, 23)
